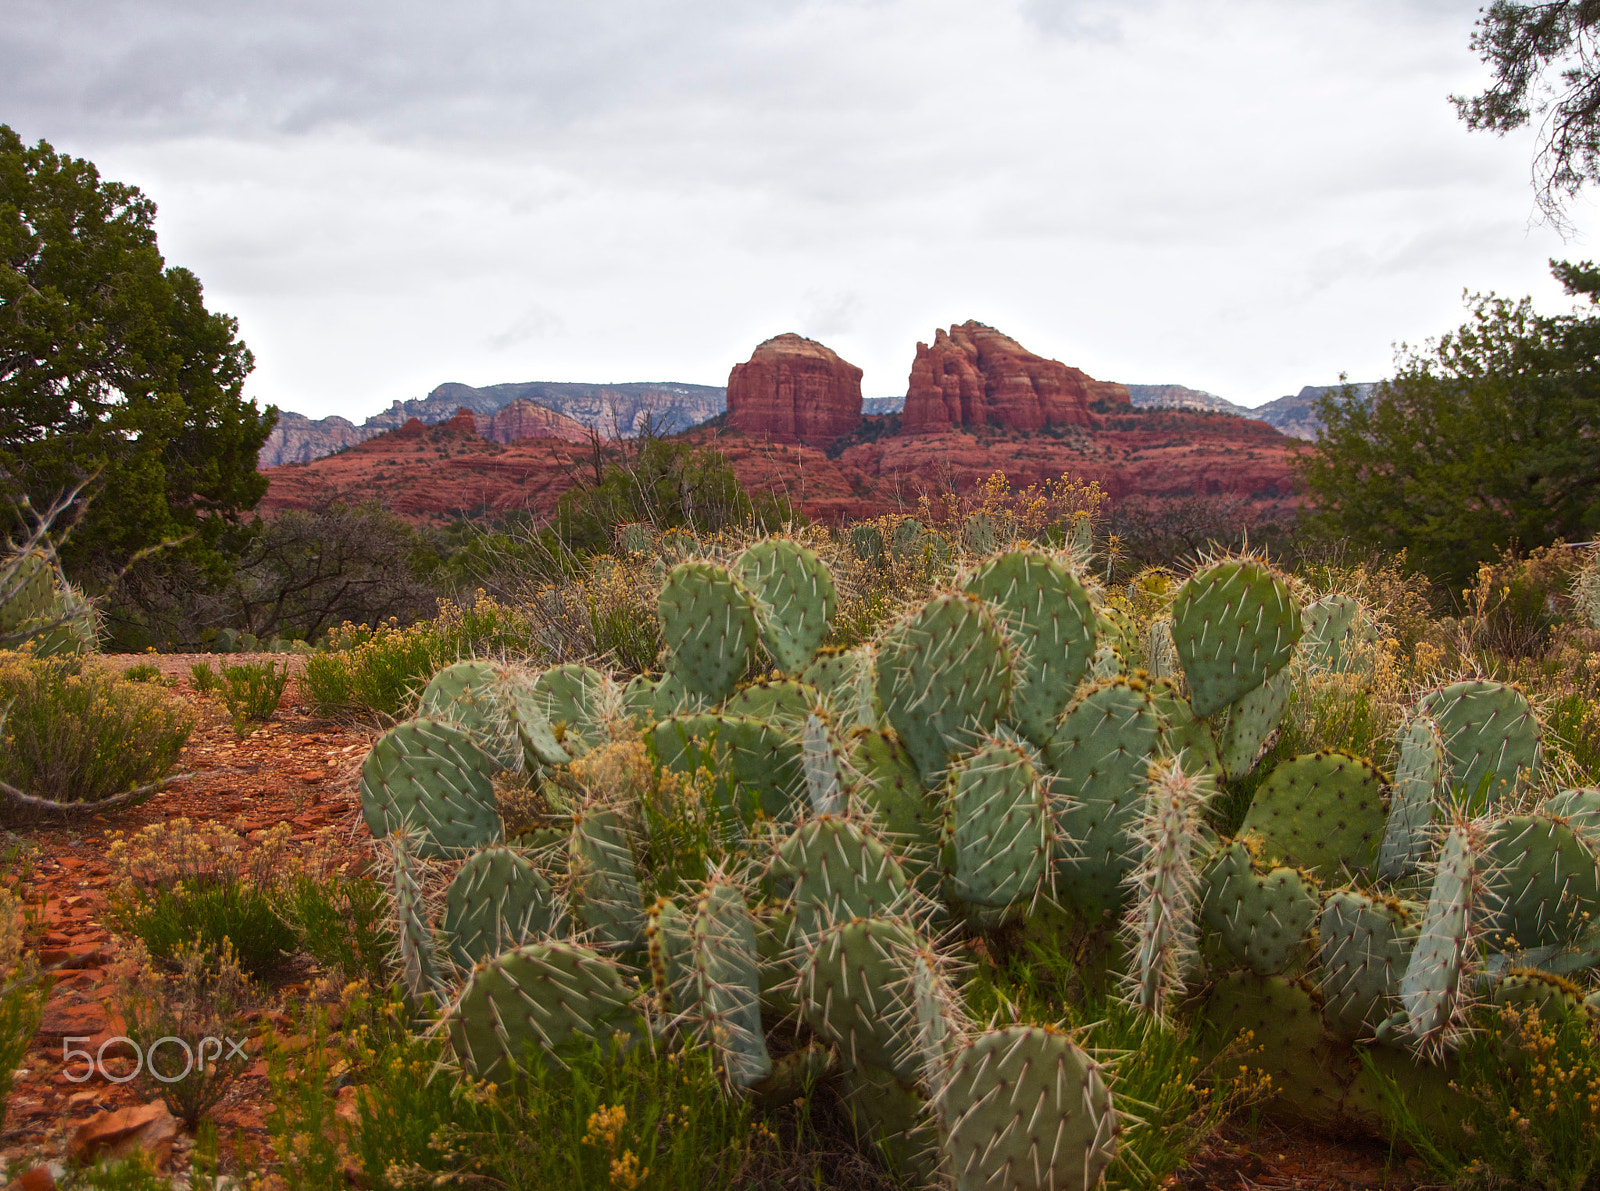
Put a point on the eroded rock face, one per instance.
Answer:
(524, 419)
(973, 375)
(794, 389)
(299, 439)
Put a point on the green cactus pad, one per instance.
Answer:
(1050, 623)
(1234, 625)
(496, 901)
(1261, 917)
(496, 705)
(666, 935)
(27, 587)
(1490, 735)
(823, 764)
(854, 991)
(784, 703)
(889, 788)
(605, 878)
(708, 624)
(997, 832)
(905, 539)
(1187, 735)
(725, 1009)
(1434, 984)
(1160, 925)
(944, 678)
(1160, 654)
(1581, 810)
(1543, 883)
(432, 777)
(1365, 945)
(1026, 1109)
(762, 759)
(1419, 776)
(866, 543)
(639, 698)
(847, 680)
(1281, 1017)
(1335, 629)
(1529, 990)
(1099, 759)
(795, 599)
(833, 869)
(1321, 812)
(548, 995)
(419, 968)
(576, 700)
(1250, 721)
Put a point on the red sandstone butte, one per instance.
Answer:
(524, 419)
(975, 376)
(794, 389)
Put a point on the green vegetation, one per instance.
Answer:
(251, 691)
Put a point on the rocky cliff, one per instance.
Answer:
(524, 419)
(298, 439)
(794, 390)
(1296, 414)
(1183, 397)
(973, 375)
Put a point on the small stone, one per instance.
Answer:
(148, 1129)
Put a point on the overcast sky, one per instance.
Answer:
(1243, 196)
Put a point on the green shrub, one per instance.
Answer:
(251, 692)
(1529, 1095)
(203, 677)
(142, 672)
(209, 911)
(341, 921)
(78, 734)
(23, 991)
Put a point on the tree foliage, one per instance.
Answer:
(666, 483)
(1546, 62)
(1487, 439)
(111, 367)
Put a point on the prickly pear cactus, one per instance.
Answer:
(1321, 811)
(1490, 735)
(1025, 1108)
(1365, 945)
(496, 901)
(1419, 778)
(1335, 629)
(1160, 921)
(782, 702)
(578, 702)
(1050, 623)
(27, 586)
(998, 832)
(419, 967)
(1581, 810)
(823, 765)
(763, 761)
(1250, 722)
(848, 680)
(833, 869)
(889, 788)
(1543, 883)
(866, 543)
(1436, 982)
(1586, 589)
(545, 995)
(708, 624)
(604, 877)
(944, 679)
(494, 704)
(794, 599)
(1099, 761)
(1260, 914)
(854, 992)
(431, 777)
(725, 1009)
(1234, 625)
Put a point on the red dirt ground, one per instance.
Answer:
(302, 769)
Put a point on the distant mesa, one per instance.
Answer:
(973, 375)
(795, 390)
(525, 419)
(1294, 415)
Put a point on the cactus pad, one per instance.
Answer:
(1434, 985)
(577, 701)
(1365, 944)
(1026, 1109)
(708, 624)
(1050, 623)
(944, 678)
(1234, 625)
(1250, 722)
(1261, 917)
(763, 760)
(997, 831)
(548, 995)
(1490, 735)
(854, 991)
(725, 1008)
(794, 599)
(432, 777)
(833, 869)
(1419, 776)
(605, 878)
(1321, 811)
(1543, 883)
(496, 901)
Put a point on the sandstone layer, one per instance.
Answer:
(973, 375)
(524, 419)
(795, 390)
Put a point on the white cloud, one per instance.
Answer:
(1240, 195)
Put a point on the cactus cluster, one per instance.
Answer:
(963, 771)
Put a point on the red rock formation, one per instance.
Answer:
(526, 419)
(975, 376)
(794, 389)
(412, 429)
